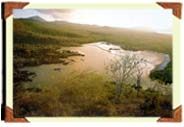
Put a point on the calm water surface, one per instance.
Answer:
(97, 57)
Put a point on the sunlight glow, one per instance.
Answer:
(149, 20)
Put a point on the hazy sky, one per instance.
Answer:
(156, 20)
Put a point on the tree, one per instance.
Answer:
(164, 75)
(124, 67)
(139, 73)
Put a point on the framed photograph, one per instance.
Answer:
(91, 62)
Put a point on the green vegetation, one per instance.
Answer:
(29, 31)
(163, 75)
(85, 94)
(34, 55)
(69, 34)
(89, 94)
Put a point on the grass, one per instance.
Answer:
(35, 55)
(69, 34)
(87, 94)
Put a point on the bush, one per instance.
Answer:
(163, 75)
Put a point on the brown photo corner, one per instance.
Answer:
(176, 9)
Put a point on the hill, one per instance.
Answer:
(34, 18)
(36, 42)
(34, 30)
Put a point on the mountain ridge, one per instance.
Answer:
(36, 18)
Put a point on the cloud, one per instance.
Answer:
(58, 14)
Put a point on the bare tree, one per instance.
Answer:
(121, 69)
(139, 73)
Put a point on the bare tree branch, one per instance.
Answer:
(125, 67)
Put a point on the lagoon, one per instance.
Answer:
(96, 57)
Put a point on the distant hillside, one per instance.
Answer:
(35, 18)
(36, 30)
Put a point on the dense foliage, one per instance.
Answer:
(163, 75)
(90, 94)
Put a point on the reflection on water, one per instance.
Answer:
(96, 58)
